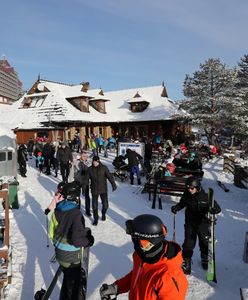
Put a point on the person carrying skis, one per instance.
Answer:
(69, 234)
(195, 200)
(157, 272)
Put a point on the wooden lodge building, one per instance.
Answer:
(59, 111)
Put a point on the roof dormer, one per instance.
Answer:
(38, 87)
(138, 103)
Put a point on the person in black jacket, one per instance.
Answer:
(82, 179)
(98, 175)
(68, 233)
(22, 157)
(47, 149)
(195, 200)
(64, 157)
(133, 162)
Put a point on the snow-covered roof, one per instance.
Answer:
(54, 106)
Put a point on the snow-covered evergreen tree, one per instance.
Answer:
(210, 95)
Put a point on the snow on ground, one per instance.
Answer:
(110, 256)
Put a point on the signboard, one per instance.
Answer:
(137, 147)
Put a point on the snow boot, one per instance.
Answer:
(131, 181)
(186, 266)
(204, 262)
(139, 182)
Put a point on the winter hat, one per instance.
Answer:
(39, 153)
(96, 158)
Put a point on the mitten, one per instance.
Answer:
(107, 290)
(47, 211)
(174, 209)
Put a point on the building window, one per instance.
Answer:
(2, 156)
(10, 155)
(98, 105)
(139, 106)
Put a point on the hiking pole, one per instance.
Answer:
(47, 231)
(174, 228)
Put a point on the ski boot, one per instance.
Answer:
(204, 262)
(186, 266)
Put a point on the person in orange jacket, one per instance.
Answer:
(157, 272)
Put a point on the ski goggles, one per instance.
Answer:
(191, 187)
(145, 245)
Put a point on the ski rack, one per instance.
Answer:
(5, 250)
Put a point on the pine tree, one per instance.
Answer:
(210, 95)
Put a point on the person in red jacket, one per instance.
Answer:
(157, 272)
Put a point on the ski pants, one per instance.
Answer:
(104, 199)
(64, 170)
(134, 170)
(87, 199)
(191, 232)
(71, 284)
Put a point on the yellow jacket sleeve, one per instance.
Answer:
(52, 227)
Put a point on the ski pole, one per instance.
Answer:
(174, 228)
(47, 231)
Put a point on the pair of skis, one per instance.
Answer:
(45, 294)
(211, 271)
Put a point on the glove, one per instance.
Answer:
(213, 210)
(114, 188)
(47, 211)
(174, 209)
(90, 238)
(107, 290)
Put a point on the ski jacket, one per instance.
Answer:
(163, 280)
(68, 233)
(98, 179)
(133, 158)
(197, 206)
(64, 155)
(81, 174)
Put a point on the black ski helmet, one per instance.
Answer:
(193, 181)
(146, 227)
(71, 190)
(60, 187)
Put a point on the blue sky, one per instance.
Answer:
(117, 44)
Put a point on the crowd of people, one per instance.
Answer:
(161, 265)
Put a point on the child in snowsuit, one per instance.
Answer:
(40, 161)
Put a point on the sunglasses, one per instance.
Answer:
(191, 187)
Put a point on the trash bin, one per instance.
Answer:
(13, 196)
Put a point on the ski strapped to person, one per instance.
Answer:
(211, 270)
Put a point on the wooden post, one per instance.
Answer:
(245, 256)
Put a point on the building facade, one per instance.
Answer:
(10, 84)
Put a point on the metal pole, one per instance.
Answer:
(47, 231)
(174, 228)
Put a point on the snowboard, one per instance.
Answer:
(45, 294)
(84, 272)
(211, 270)
(221, 185)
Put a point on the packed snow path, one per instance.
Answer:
(110, 256)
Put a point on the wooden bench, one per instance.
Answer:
(169, 185)
(182, 171)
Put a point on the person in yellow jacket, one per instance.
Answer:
(68, 233)
(156, 272)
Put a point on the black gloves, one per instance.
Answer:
(90, 238)
(174, 209)
(47, 211)
(213, 210)
(107, 290)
